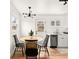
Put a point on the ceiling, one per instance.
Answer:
(41, 6)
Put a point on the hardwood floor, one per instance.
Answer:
(57, 53)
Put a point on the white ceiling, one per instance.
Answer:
(41, 6)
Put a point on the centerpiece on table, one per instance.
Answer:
(31, 33)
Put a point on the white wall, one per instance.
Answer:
(26, 26)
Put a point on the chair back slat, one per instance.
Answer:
(46, 40)
(16, 39)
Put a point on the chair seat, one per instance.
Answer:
(40, 43)
(20, 45)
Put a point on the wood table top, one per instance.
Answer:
(24, 38)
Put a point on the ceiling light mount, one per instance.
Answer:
(65, 1)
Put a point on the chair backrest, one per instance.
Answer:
(16, 39)
(46, 40)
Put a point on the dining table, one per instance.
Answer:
(34, 37)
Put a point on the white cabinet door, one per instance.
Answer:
(63, 40)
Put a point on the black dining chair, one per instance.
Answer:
(43, 44)
(18, 45)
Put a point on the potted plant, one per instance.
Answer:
(31, 33)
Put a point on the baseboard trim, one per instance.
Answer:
(62, 47)
(53, 46)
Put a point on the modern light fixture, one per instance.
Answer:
(29, 14)
(64, 1)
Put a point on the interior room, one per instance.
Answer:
(39, 29)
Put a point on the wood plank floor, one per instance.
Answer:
(57, 53)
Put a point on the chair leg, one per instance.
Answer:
(14, 52)
(47, 51)
(39, 51)
(22, 51)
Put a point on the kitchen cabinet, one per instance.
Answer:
(63, 40)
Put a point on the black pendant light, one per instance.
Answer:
(29, 14)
